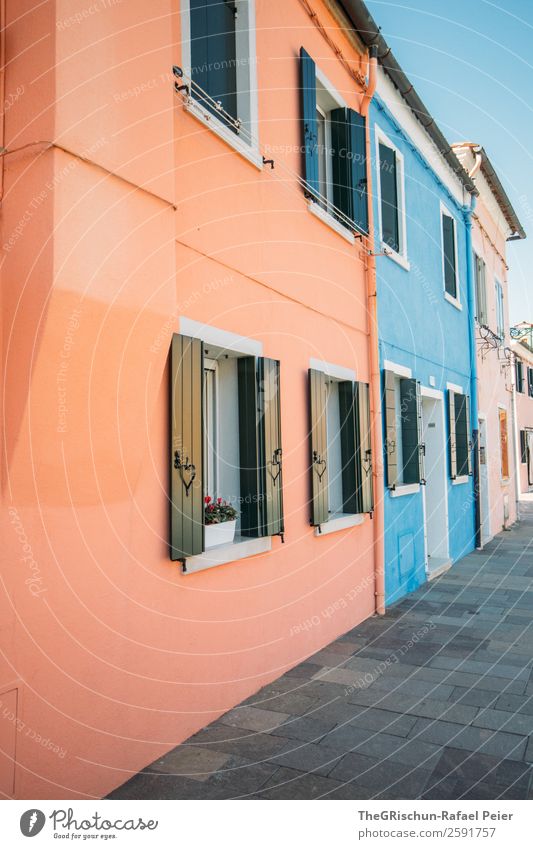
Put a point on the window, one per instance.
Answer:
(500, 320)
(390, 184)
(459, 434)
(530, 382)
(226, 441)
(523, 446)
(481, 290)
(519, 375)
(334, 145)
(504, 449)
(449, 255)
(403, 444)
(340, 444)
(218, 58)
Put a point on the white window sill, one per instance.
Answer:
(461, 479)
(218, 555)
(340, 523)
(405, 489)
(332, 222)
(249, 152)
(453, 301)
(400, 259)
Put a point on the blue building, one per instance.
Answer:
(423, 202)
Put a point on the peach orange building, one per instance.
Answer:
(187, 311)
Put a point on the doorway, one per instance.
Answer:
(484, 502)
(435, 490)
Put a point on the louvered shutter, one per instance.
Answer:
(388, 186)
(186, 487)
(448, 247)
(348, 440)
(269, 427)
(468, 436)
(410, 430)
(364, 449)
(214, 54)
(340, 165)
(391, 435)
(260, 450)
(358, 168)
(318, 446)
(452, 447)
(481, 291)
(421, 443)
(309, 125)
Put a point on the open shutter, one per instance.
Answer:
(410, 433)
(340, 163)
(358, 165)
(213, 54)
(260, 447)
(186, 489)
(481, 291)
(269, 426)
(391, 436)
(452, 444)
(421, 443)
(468, 436)
(309, 125)
(348, 440)
(319, 447)
(364, 449)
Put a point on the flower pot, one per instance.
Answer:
(221, 534)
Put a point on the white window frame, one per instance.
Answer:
(456, 302)
(399, 371)
(398, 256)
(246, 72)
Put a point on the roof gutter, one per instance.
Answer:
(370, 34)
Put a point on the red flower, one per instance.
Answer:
(219, 501)
(207, 499)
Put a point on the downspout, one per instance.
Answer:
(468, 212)
(372, 332)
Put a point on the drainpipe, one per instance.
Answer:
(375, 378)
(468, 212)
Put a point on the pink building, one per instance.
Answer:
(136, 220)
(522, 346)
(494, 223)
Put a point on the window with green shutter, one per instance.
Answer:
(214, 53)
(519, 375)
(225, 442)
(340, 448)
(403, 446)
(481, 290)
(390, 211)
(334, 146)
(449, 255)
(459, 439)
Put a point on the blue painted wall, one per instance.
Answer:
(420, 329)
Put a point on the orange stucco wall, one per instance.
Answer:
(147, 216)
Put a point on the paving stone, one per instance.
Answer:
(192, 762)
(375, 719)
(518, 723)
(458, 764)
(515, 704)
(291, 784)
(374, 774)
(255, 719)
(305, 727)
(475, 697)
(306, 757)
(296, 702)
(346, 676)
(499, 743)
(240, 742)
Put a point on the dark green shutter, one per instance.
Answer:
(319, 446)
(364, 449)
(462, 436)
(358, 166)
(448, 246)
(213, 54)
(309, 125)
(391, 436)
(350, 482)
(468, 436)
(390, 224)
(186, 487)
(452, 445)
(481, 290)
(410, 427)
(340, 164)
(269, 427)
(260, 447)
(421, 443)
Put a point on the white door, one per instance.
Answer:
(435, 490)
(484, 501)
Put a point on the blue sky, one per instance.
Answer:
(471, 63)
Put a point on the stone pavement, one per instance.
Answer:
(432, 701)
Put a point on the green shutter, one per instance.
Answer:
(260, 447)
(481, 290)
(358, 166)
(364, 449)
(468, 436)
(340, 164)
(452, 445)
(421, 443)
(186, 486)
(269, 426)
(391, 436)
(388, 185)
(410, 430)
(350, 482)
(213, 55)
(309, 126)
(318, 445)
(448, 247)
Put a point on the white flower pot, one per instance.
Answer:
(221, 534)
